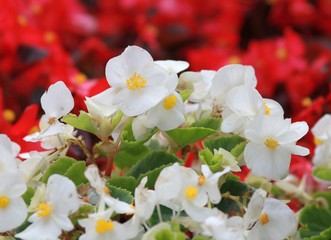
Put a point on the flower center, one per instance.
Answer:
(51, 120)
(44, 210)
(267, 109)
(4, 201)
(169, 102)
(271, 143)
(202, 179)
(191, 192)
(103, 226)
(136, 82)
(281, 53)
(264, 218)
(318, 141)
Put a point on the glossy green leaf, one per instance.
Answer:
(83, 122)
(228, 143)
(76, 173)
(125, 182)
(322, 173)
(28, 195)
(60, 166)
(119, 193)
(212, 123)
(316, 222)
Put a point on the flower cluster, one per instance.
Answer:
(143, 190)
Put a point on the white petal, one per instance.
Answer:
(198, 213)
(62, 194)
(231, 123)
(57, 101)
(13, 215)
(173, 66)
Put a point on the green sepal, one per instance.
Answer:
(185, 94)
(28, 195)
(83, 122)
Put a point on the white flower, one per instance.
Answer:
(145, 200)
(228, 159)
(137, 82)
(208, 182)
(177, 188)
(272, 108)
(168, 114)
(269, 218)
(92, 174)
(99, 226)
(231, 76)
(220, 227)
(51, 216)
(9, 150)
(322, 139)
(173, 66)
(141, 127)
(243, 104)
(56, 103)
(201, 83)
(13, 210)
(272, 140)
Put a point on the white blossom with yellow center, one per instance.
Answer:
(13, 210)
(178, 188)
(137, 82)
(51, 214)
(168, 114)
(272, 140)
(268, 218)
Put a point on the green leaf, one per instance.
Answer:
(201, 238)
(167, 234)
(316, 222)
(152, 176)
(76, 173)
(322, 173)
(236, 188)
(83, 122)
(152, 161)
(238, 150)
(124, 182)
(60, 166)
(325, 195)
(121, 194)
(212, 123)
(228, 143)
(186, 136)
(130, 153)
(208, 158)
(28, 195)
(185, 94)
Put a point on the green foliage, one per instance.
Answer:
(185, 94)
(119, 193)
(167, 234)
(316, 223)
(83, 122)
(68, 167)
(194, 133)
(213, 161)
(322, 173)
(151, 166)
(228, 143)
(125, 182)
(28, 195)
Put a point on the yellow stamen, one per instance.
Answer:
(36, 8)
(80, 78)
(4, 201)
(267, 109)
(281, 53)
(49, 37)
(318, 141)
(169, 102)
(106, 190)
(33, 129)
(306, 102)
(51, 120)
(264, 218)
(271, 143)
(22, 21)
(234, 60)
(136, 82)
(191, 192)
(202, 179)
(44, 210)
(9, 115)
(103, 226)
